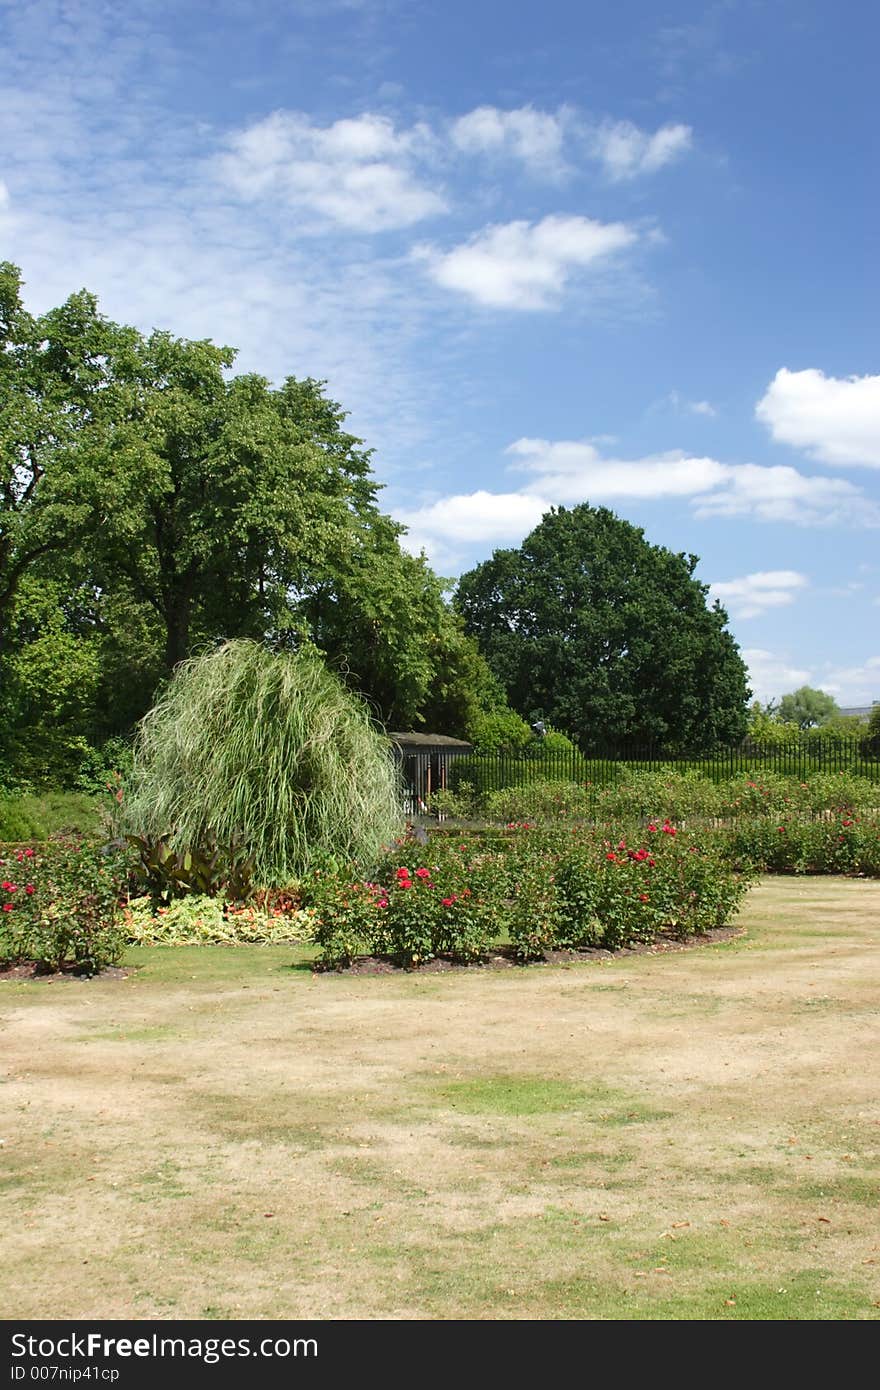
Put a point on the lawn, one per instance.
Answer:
(692, 1134)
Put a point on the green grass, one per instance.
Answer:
(224, 1134)
(32, 817)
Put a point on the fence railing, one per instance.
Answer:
(486, 772)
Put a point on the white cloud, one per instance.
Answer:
(534, 137)
(835, 419)
(476, 517)
(853, 685)
(355, 173)
(753, 594)
(523, 265)
(575, 471)
(567, 472)
(681, 405)
(782, 494)
(771, 676)
(626, 151)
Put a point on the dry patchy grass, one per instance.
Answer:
(684, 1135)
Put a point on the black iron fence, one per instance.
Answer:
(480, 773)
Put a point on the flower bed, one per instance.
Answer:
(542, 889)
(59, 906)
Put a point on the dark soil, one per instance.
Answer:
(31, 970)
(504, 957)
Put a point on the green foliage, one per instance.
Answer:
(499, 731)
(461, 804)
(550, 889)
(28, 817)
(808, 708)
(840, 842)
(198, 920)
(633, 793)
(609, 636)
(269, 749)
(59, 906)
(207, 868)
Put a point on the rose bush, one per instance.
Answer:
(59, 905)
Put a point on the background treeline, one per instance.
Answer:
(154, 505)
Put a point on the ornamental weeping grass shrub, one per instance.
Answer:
(59, 905)
(269, 749)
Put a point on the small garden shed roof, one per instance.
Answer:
(426, 743)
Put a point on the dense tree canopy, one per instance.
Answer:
(151, 503)
(608, 636)
(808, 708)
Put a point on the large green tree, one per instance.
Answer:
(64, 468)
(609, 637)
(152, 503)
(807, 708)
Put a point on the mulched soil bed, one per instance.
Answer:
(505, 959)
(29, 970)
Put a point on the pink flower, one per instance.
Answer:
(423, 873)
(447, 902)
(653, 829)
(613, 857)
(403, 874)
(29, 888)
(7, 907)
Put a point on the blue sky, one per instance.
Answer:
(543, 253)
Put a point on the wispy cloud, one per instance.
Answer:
(523, 265)
(683, 406)
(772, 675)
(625, 151)
(567, 472)
(535, 138)
(566, 141)
(857, 685)
(753, 594)
(357, 173)
(834, 419)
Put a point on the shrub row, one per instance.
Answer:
(842, 843)
(542, 890)
(680, 795)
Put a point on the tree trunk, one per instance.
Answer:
(178, 613)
